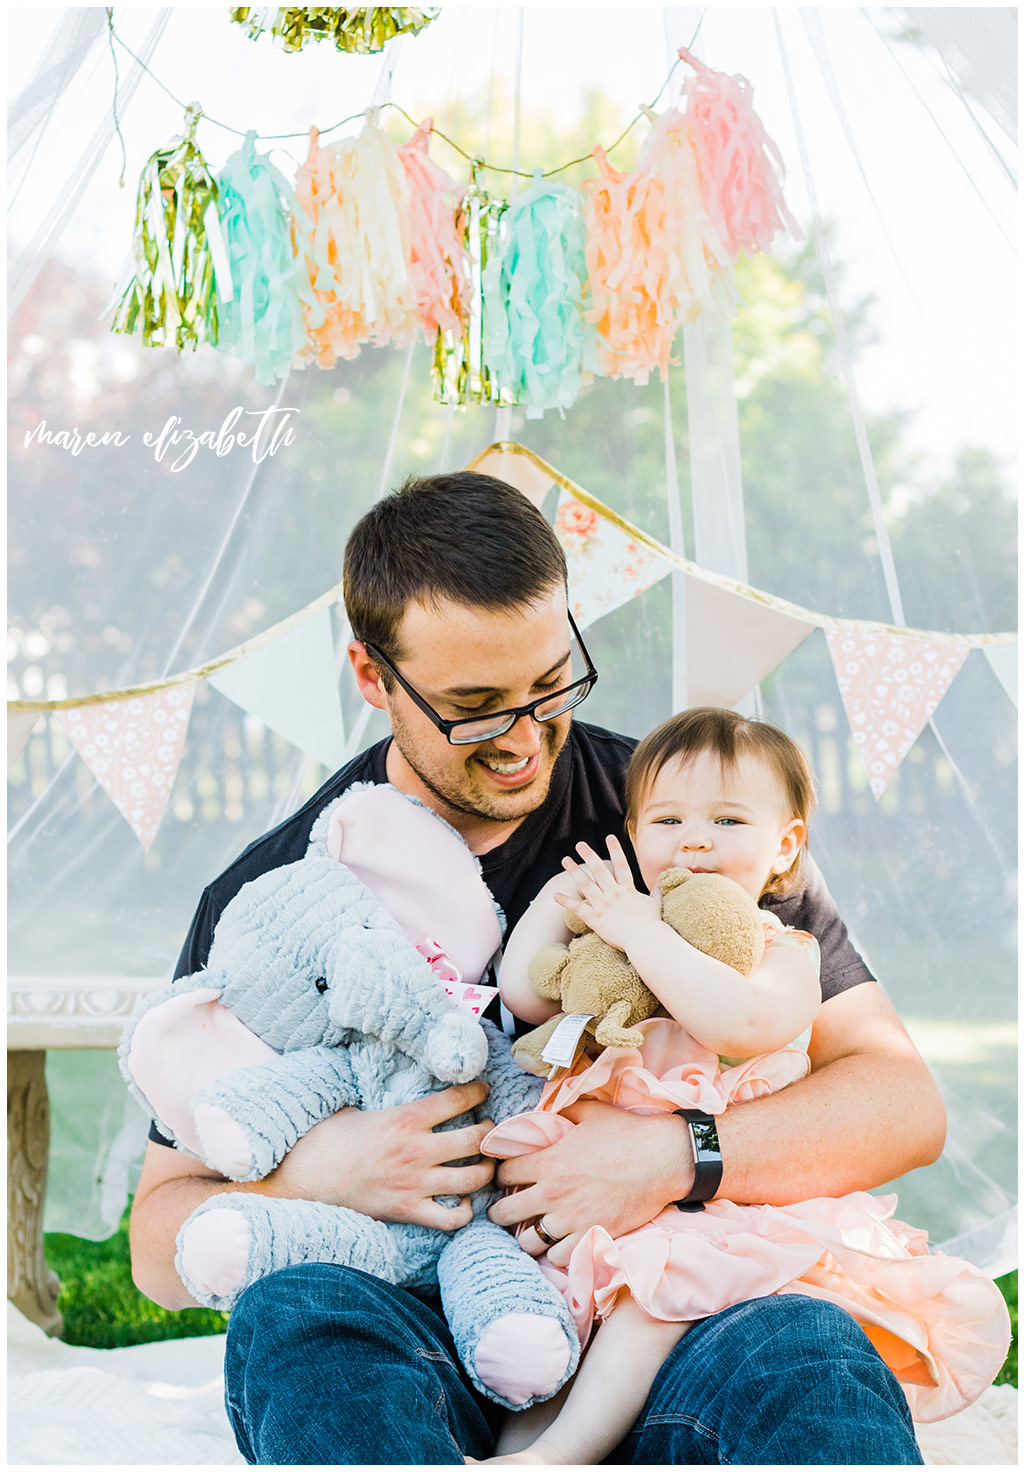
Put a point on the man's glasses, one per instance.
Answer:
(471, 729)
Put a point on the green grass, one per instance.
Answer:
(101, 1305)
(1008, 1287)
(103, 1308)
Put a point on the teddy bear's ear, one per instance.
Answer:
(672, 878)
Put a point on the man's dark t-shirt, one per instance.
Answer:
(584, 802)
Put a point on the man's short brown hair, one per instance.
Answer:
(468, 538)
(729, 736)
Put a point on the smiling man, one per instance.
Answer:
(455, 588)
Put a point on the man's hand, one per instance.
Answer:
(615, 1169)
(389, 1163)
(606, 898)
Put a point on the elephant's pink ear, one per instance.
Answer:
(335, 835)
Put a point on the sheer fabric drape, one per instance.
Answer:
(123, 569)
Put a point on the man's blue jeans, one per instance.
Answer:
(327, 1365)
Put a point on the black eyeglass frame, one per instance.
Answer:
(589, 679)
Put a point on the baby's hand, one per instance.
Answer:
(607, 899)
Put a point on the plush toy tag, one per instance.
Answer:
(563, 1042)
(475, 999)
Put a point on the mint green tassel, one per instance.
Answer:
(262, 322)
(537, 346)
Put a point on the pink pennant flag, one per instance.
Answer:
(133, 749)
(890, 685)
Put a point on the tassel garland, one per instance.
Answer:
(178, 249)
(378, 244)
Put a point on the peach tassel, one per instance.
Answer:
(653, 256)
(352, 229)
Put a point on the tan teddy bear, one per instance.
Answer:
(712, 912)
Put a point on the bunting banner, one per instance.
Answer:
(133, 749)
(20, 725)
(1004, 661)
(540, 291)
(607, 567)
(735, 635)
(891, 686)
(291, 686)
(891, 679)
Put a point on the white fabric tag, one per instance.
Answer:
(563, 1042)
(474, 998)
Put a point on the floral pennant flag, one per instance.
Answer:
(133, 749)
(607, 567)
(891, 685)
(291, 685)
(1003, 658)
(20, 725)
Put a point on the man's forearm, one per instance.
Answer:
(156, 1220)
(857, 1121)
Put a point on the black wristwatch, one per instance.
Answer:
(707, 1158)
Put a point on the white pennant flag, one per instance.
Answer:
(291, 685)
(20, 725)
(891, 686)
(1004, 661)
(733, 643)
(133, 749)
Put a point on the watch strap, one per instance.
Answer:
(707, 1158)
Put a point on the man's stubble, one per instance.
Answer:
(459, 789)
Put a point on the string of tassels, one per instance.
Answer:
(523, 302)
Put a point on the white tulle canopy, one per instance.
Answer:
(843, 447)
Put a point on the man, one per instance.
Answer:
(455, 591)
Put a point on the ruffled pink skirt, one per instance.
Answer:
(940, 1324)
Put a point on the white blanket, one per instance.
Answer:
(154, 1404)
(163, 1404)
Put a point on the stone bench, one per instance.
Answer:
(48, 1012)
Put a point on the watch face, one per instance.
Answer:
(705, 1136)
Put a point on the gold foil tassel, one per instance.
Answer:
(364, 30)
(179, 255)
(460, 372)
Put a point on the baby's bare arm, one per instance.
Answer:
(542, 925)
(728, 1013)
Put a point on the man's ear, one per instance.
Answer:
(367, 675)
(792, 840)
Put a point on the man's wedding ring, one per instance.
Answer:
(545, 1236)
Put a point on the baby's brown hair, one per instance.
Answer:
(729, 736)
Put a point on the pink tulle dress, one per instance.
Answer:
(940, 1324)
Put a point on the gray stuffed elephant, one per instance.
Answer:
(317, 996)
